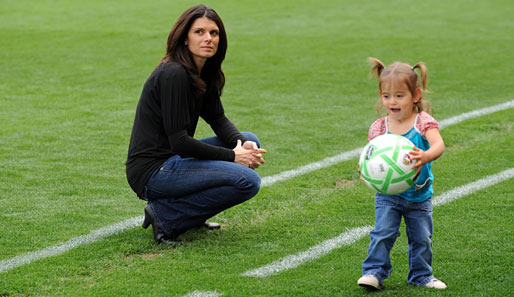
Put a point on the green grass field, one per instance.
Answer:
(71, 73)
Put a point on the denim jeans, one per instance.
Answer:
(185, 192)
(418, 220)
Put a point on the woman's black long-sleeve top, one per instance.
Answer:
(165, 123)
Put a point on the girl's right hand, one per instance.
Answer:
(251, 158)
(359, 171)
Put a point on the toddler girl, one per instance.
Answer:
(401, 96)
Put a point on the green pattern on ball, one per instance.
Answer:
(380, 185)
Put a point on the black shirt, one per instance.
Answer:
(165, 123)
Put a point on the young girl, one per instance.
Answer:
(401, 96)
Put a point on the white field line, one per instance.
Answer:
(96, 235)
(349, 237)
(293, 261)
(475, 113)
(289, 174)
(465, 190)
(269, 180)
(203, 294)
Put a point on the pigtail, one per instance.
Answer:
(424, 75)
(423, 104)
(376, 66)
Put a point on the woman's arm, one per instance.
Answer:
(185, 145)
(246, 152)
(226, 130)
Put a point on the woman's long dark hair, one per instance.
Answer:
(212, 77)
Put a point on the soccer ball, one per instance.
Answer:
(385, 164)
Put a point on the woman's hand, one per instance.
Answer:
(249, 154)
(250, 145)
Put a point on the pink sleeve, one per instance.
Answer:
(377, 128)
(425, 123)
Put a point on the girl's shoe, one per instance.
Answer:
(436, 284)
(369, 281)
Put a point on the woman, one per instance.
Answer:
(186, 181)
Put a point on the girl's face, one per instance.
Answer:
(202, 39)
(398, 101)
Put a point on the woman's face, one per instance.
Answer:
(202, 40)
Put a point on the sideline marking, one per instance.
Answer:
(325, 247)
(95, 235)
(285, 175)
(475, 113)
(98, 234)
(203, 294)
(347, 238)
(465, 190)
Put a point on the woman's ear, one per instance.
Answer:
(185, 42)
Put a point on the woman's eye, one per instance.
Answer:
(214, 33)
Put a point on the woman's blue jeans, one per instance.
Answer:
(185, 192)
(418, 220)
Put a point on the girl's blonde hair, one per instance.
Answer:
(399, 72)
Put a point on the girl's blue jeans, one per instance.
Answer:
(389, 211)
(185, 192)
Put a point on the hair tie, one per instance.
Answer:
(413, 67)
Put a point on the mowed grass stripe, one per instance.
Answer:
(346, 238)
(98, 234)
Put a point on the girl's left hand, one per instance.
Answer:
(421, 158)
(435, 151)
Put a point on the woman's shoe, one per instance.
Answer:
(211, 225)
(146, 222)
(158, 235)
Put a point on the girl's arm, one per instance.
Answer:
(435, 151)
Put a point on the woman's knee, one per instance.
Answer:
(252, 137)
(251, 182)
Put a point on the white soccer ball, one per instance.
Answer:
(385, 164)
